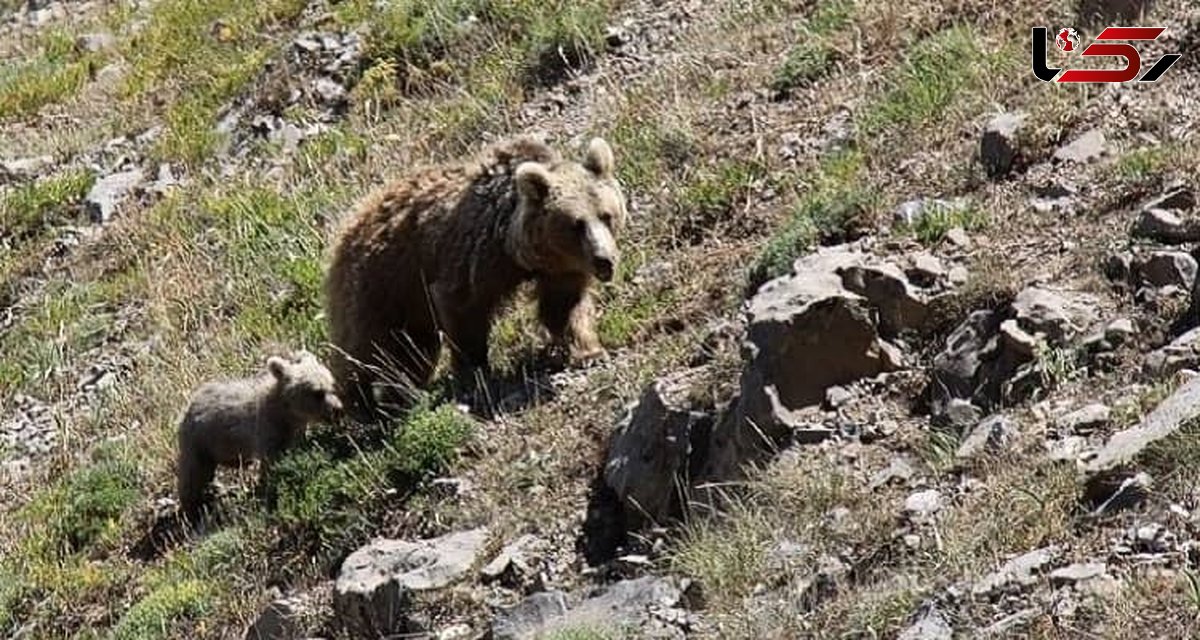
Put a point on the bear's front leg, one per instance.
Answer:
(565, 308)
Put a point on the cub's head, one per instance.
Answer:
(305, 385)
(569, 215)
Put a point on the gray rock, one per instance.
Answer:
(656, 448)
(528, 618)
(330, 91)
(375, 584)
(1076, 573)
(1123, 448)
(1164, 268)
(280, 620)
(930, 624)
(993, 435)
(1084, 149)
(927, 270)
(1119, 331)
(1176, 197)
(623, 605)
(1182, 353)
(978, 362)
(1000, 144)
(1017, 574)
(516, 557)
(899, 305)
(1059, 315)
(899, 470)
(1166, 226)
(1118, 267)
(958, 237)
(1008, 625)
(1084, 419)
(108, 192)
(95, 42)
(24, 167)
(959, 415)
(923, 504)
(1068, 449)
(1116, 493)
(806, 333)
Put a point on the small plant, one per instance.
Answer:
(837, 203)
(30, 208)
(88, 506)
(160, 614)
(814, 53)
(376, 90)
(938, 218)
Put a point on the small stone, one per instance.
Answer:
(94, 42)
(1076, 573)
(1129, 493)
(108, 192)
(999, 146)
(837, 395)
(958, 276)
(960, 415)
(1084, 149)
(992, 435)
(1068, 449)
(1120, 331)
(1018, 573)
(1084, 419)
(1165, 226)
(923, 504)
(926, 271)
(898, 471)
(930, 624)
(1165, 268)
(959, 238)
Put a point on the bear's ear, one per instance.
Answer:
(599, 158)
(277, 366)
(533, 181)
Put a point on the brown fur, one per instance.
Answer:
(444, 248)
(232, 422)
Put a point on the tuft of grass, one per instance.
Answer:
(165, 611)
(582, 633)
(836, 200)
(88, 506)
(939, 218)
(329, 500)
(937, 70)
(1143, 163)
(31, 208)
(728, 556)
(814, 53)
(57, 73)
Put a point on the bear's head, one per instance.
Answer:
(569, 215)
(305, 385)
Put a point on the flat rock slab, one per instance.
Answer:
(1124, 447)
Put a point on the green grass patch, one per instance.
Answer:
(937, 71)
(58, 72)
(938, 218)
(165, 612)
(814, 53)
(87, 508)
(836, 200)
(327, 498)
(728, 556)
(1146, 162)
(32, 207)
(72, 318)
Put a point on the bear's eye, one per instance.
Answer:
(606, 218)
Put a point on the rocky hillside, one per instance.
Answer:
(902, 345)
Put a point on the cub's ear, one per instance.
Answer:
(277, 366)
(599, 158)
(533, 181)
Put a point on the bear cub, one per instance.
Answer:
(229, 423)
(434, 256)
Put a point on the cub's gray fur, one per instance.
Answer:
(232, 422)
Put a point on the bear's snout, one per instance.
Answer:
(603, 268)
